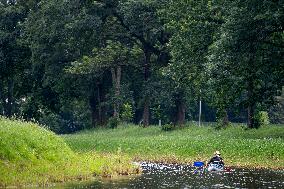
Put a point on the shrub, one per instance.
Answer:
(261, 119)
(168, 127)
(113, 122)
(127, 112)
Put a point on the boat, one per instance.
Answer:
(215, 167)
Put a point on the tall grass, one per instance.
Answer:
(30, 154)
(255, 148)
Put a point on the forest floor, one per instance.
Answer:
(240, 147)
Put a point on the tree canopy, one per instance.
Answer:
(76, 64)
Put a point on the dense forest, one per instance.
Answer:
(80, 64)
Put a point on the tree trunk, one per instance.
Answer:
(250, 116)
(93, 108)
(251, 73)
(97, 109)
(146, 112)
(2, 103)
(99, 105)
(116, 80)
(250, 108)
(10, 99)
(225, 119)
(180, 113)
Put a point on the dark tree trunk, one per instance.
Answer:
(93, 108)
(2, 99)
(10, 99)
(99, 106)
(251, 71)
(180, 113)
(250, 116)
(96, 107)
(146, 112)
(225, 119)
(116, 78)
(251, 106)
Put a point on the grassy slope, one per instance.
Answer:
(30, 154)
(255, 148)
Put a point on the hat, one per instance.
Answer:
(217, 153)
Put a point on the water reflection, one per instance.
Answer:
(179, 176)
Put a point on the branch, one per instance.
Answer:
(274, 44)
(145, 43)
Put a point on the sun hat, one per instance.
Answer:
(217, 153)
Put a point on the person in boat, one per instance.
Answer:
(216, 162)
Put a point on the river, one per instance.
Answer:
(182, 176)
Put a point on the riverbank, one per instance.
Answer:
(261, 148)
(33, 156)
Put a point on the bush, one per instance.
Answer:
(261, 119)
(127, 113)
(168, 127)
(113, 122)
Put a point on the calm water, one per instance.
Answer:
(178, 176)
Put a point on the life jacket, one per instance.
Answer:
(216, 160)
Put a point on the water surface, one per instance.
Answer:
(180, 176)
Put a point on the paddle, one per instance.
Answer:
(198, 164)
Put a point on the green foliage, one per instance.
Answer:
(127, 112)
(276, 113)
(113, 122)
(262, 118)
(168, 127)
(15, 81)
(159, 114)
(242, 59)
(167, 53)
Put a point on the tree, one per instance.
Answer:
(140, 19)
(14, 56)
(105, 60)
(58, 33)
(192, 25)
(248, 51)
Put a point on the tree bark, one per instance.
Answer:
(116, 80)
(96, 107)
(250, 116)
(99, 105)
(10, 99)
(225, 119)
(93, 108)
(146, 112)
(2, 103)
(180, 112)
(250, 108)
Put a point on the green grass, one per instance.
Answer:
(239, 147)
(32, 155)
